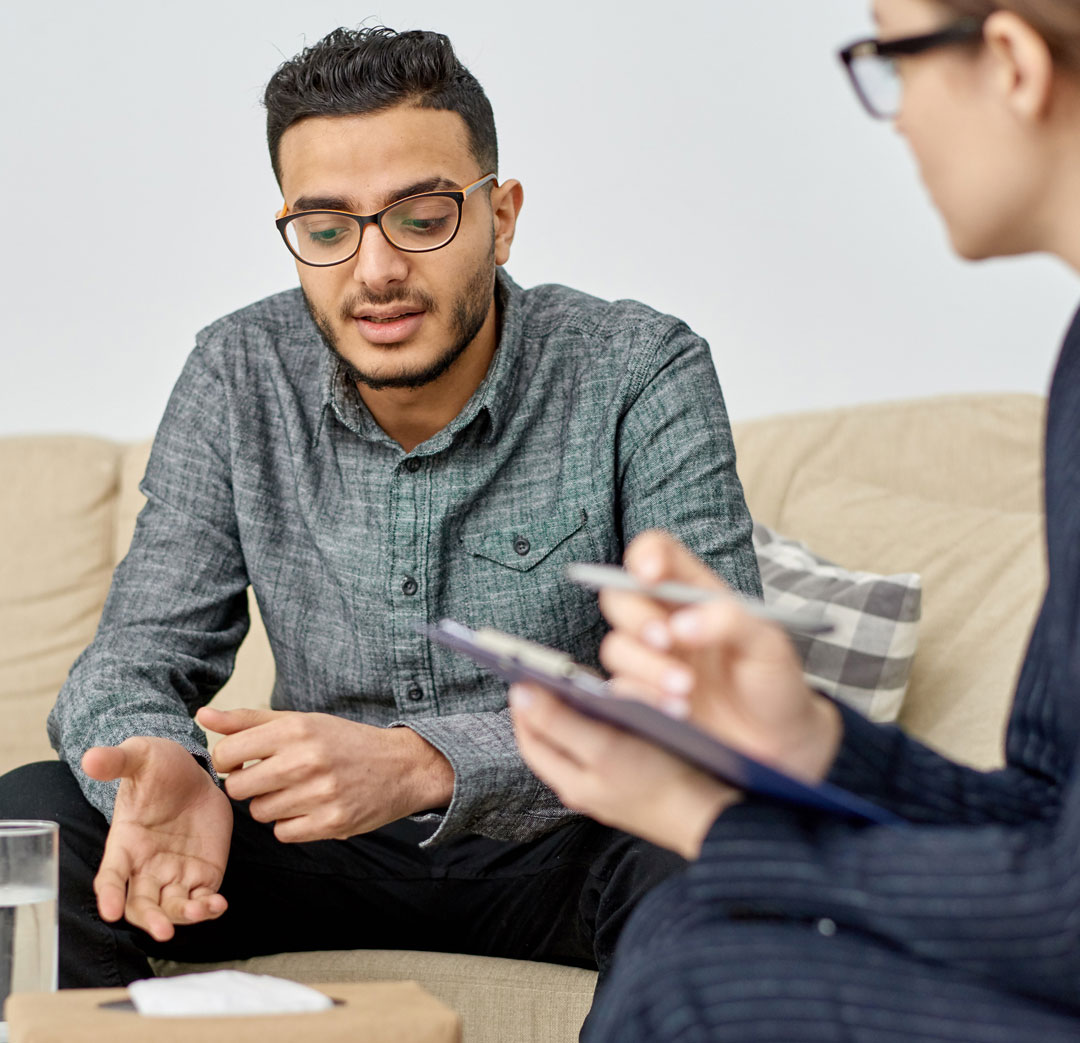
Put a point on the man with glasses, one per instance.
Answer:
(408, 436)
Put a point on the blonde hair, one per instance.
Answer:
(1056, 21)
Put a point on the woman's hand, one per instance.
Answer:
(734, 675)
(614, 777)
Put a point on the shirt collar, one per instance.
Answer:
(339, 395)
(494, 396)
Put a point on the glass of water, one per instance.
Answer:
(28, 935)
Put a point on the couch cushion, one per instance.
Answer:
(983, 572)
(977, 450)
(865, 661)
(56, 514)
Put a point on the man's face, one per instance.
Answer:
(396, 319)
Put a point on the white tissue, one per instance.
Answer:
(217, 993)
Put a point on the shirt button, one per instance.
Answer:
(415, 693)
(409, 587)
(522, 546)
(412, 465)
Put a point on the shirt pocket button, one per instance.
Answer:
(522, 546)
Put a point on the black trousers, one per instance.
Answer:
(688, 974)
(562, 898)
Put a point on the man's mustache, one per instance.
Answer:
(414, 300)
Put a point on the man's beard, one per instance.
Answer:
(468, 313)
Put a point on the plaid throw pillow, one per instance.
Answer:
(866, 660)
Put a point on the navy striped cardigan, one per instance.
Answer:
(989, 880)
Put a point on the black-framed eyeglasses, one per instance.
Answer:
(871, 63)
(415, 224)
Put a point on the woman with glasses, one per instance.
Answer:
(788, 925)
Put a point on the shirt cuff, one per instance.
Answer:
(102, 795)
(495, 794)
(866, 750)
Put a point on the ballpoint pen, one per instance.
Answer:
(611, 577)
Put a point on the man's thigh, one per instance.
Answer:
(563, 897)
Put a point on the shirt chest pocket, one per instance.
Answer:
(514, 581)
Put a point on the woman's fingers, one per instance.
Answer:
(656, 556)
(638, 615)
(545, 718)
(640, 672)
(727, 623)
(541, 732)
(615, 777)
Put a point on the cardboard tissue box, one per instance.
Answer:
(375, 1012)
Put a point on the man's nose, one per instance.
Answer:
(378, 264)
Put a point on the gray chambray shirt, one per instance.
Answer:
(595, 421)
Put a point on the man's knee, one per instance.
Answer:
(43, 790)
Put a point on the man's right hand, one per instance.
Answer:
(168, 844)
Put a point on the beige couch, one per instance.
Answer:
(949, 487)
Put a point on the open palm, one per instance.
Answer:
(168, 844)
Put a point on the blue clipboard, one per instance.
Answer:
(587, 692)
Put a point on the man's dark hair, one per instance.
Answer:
(350, 72)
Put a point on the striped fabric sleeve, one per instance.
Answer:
(998, 901)
(894, 771)
(986, 878)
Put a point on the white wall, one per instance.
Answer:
(706, 158)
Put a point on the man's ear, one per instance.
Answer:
(1023, 67)
(506, 200)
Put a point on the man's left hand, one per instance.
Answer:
(321, 777)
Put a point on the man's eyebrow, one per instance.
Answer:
(431, 184)
(320, 203)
